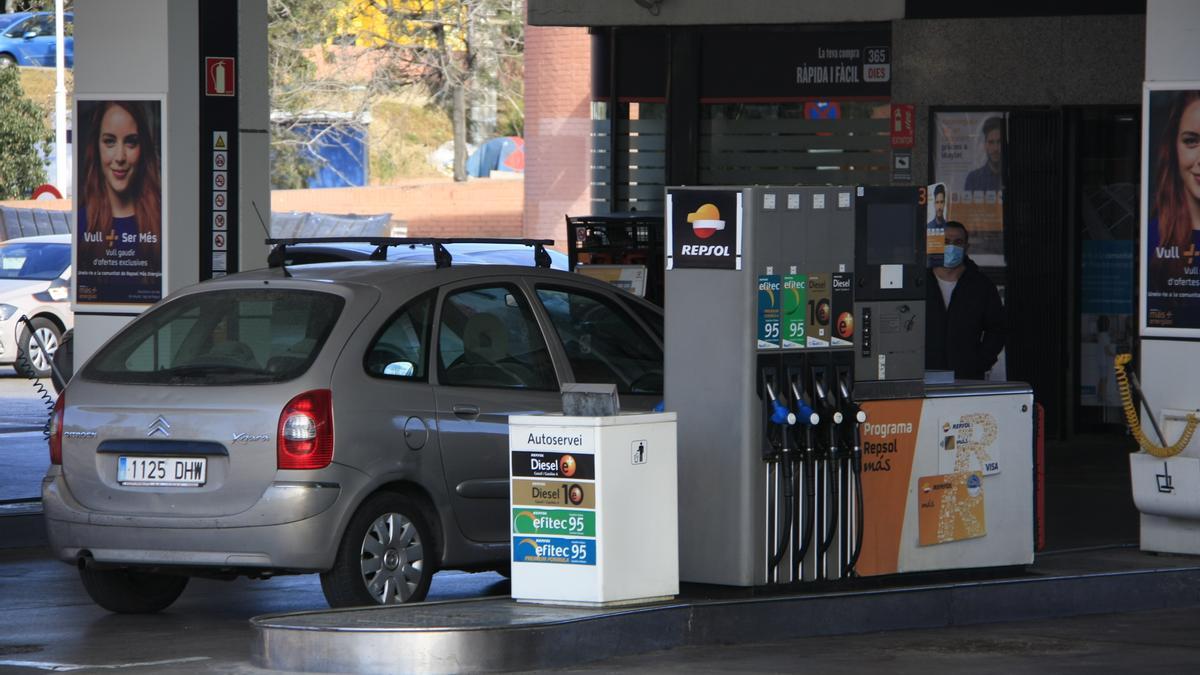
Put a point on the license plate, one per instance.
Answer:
(162, 471)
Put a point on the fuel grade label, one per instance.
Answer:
(553, 493)
(554, 521)
(555, 550)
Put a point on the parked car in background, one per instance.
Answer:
(35, 281)
(28, 39)
(347, 419)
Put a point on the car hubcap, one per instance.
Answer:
(40, 359)
(392, 559)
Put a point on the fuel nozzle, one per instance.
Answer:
(804, 412)
(823, 397)
(779, 411)
(849, 408)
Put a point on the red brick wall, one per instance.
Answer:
(431, 208)
(557, 128)
(480, 208)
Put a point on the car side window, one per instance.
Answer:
(41, 26)
(603, 342)
(487, 337)
(400, 350)
(19, 28)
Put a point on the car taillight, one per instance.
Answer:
(56, 430)
(305, 439)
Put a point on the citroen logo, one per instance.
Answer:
(159, 426)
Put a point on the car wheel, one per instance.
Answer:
(386, 557)
(7, 60)
(31, 360)
(131, 592)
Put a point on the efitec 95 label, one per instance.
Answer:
(556, 550)
(554, 521)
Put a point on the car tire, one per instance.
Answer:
(387, 555)
(131, 592)
(7, 60)
(30, 360)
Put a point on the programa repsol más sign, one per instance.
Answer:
(705, 229)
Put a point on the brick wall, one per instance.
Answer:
(441, 208)
(479, 208)
(557, 128)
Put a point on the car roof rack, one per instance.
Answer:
(441, 256)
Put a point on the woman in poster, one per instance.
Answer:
(120, 213)
(1173, 281)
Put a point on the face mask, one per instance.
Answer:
(953, 256)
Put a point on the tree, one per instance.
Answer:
(457, 49)
(24, 139)
(347, 56)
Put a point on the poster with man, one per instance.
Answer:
(968, 159)
(119, 203)
(1170, 300)
(937, 211)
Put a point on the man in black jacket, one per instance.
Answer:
(964, 329)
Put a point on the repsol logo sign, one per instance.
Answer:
(704, 250)
(888, 429)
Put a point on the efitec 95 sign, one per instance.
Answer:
(704, 229)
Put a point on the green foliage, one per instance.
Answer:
(24, 139)
(402, 136)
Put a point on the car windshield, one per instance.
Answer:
(237, 336)
(34, 261)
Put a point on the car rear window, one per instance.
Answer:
(237, 336)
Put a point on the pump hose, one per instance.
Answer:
(1135, 426)
(785, 532)
(806, 530)
(832, 519)
(858, 500)
(26, 364)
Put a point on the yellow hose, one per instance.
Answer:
(1135, 426)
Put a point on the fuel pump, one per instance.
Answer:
(787, 307)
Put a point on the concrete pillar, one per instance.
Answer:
(1170, 368)
(150, 49)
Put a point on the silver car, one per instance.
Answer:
(347, 419)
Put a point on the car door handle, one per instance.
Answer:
(465, 411)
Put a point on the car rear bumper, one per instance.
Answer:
(295, 526)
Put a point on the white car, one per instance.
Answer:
(35, 281)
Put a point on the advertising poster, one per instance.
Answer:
(1170, 300)
(1106, 324)
(937, 212)
(950, 508)
(968, 159)
(119, 203)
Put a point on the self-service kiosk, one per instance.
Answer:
(810, 447)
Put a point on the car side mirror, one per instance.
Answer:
(399, 369)
(29, 35)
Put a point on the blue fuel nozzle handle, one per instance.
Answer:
(781, 415)
(807, 415)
